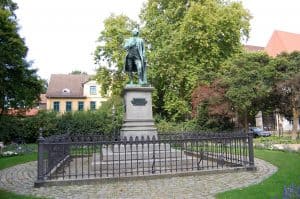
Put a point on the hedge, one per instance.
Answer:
(26, 129)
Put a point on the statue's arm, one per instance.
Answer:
(126, 44)
(129, 43)
(143, 51)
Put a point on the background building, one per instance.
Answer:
(279, 42)
(73, 92)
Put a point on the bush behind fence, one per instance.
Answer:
(15, 128)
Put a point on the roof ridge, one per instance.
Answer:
(283, 31)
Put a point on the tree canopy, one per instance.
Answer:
(287, 86)
(211, 108)
(19, 84)
(188, 41)
(249, 79)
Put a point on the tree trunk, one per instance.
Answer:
(295, 119)
(1, 110)
(246, 124)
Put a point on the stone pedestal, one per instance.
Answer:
(138, 120)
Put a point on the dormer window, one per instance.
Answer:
(93, 90)
(66, 91)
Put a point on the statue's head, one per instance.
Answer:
(135, 32)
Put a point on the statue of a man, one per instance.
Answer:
(135, 59)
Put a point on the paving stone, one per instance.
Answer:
(20, 179)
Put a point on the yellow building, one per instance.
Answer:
(78, 92)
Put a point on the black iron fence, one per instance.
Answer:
(77, 157)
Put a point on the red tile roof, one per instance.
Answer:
(283, 42)
(22, 112)
(66, 86)
(252, 48)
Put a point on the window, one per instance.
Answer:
(92, 105)
(93, 90)
(66, 91)
(68, 106)
(80, 106)
(56, 106)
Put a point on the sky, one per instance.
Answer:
(61, 34)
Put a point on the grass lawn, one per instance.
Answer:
(6, 162)
(288, 173)
(11, 161)
(286, 139)
(10, 195)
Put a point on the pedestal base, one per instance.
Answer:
(138, 128)
(138, 120)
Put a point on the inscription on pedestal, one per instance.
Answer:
(138, 118)
(139, 102)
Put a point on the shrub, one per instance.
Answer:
(84, 122)
(212, 122)
(11, 128)
(164, 126)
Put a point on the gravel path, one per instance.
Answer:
(20, 179)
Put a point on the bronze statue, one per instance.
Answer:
(135, 59)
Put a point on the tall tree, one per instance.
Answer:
(19, 85)
(287, 88)
(9, 6)
(249, 78)
(189, 40)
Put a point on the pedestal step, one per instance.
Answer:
(139, 156)
(133, 123)
(145, 163)
(137, 148)
(138, 129)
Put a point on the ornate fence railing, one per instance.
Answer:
(74, 158)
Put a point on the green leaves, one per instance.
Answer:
(287, 86)
(101, 121)
(248, 78)
(189, 42)
(19, 85)
(110, 54)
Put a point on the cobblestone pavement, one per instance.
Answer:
(20, 179)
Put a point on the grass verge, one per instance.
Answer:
(288, 173)
(6, 162)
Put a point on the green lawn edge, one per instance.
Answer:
(6, 162)
(288, 173)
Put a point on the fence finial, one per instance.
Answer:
(41, 138)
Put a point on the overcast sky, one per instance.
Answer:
(61, 34)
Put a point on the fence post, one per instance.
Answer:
(251, 151)
(40, 169)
